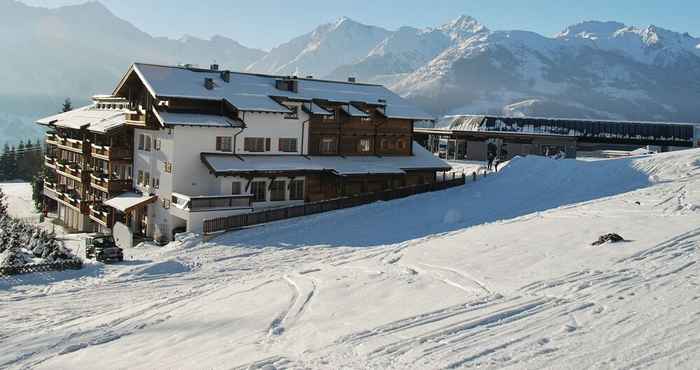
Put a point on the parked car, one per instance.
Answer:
(102, 248)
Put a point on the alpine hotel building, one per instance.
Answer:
(173, 146)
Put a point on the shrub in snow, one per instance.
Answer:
(612, 238)
(21, 244)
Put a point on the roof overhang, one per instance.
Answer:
(127, 202)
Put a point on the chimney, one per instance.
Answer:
(209, 83)
(214, 67)
(352, 79)
(226, 76)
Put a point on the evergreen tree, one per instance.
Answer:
(3, 204)
(23, 171)
(67, 105)
(12, 164)
(5, 163)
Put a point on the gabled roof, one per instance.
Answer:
(90, 117)
(255, 92)
(226, 164)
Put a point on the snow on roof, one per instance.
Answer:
(191, 119)
(90, 117)
(127, 201)
(254, 92)
(343, 166)
(353, 111)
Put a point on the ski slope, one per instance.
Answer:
(499, 273)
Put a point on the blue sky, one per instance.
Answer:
(267, 23)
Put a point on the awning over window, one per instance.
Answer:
(129, 201)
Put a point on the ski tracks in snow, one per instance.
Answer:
(303, 290)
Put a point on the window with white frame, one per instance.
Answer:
(139, 179)
(277, 191)
(146, 179)
(328, 145)
(288, 145)
(259, 191)
(148, 143)
(296, 190)
(364, 145)
(141, 141)
(256, 144)
(224, 144)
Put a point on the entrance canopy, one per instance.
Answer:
(129, 201)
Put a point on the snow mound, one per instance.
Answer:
(168, 267)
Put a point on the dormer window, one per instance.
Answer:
(287, 85)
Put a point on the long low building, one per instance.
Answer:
(475, 137)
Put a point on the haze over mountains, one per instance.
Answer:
(589, 70)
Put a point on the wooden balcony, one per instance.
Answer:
(109, 186)
(69, 197)
(73, 171)
(50, 162)
(100, 214)
(74, 145)
(51, 138)
(111, 153)
(137, 119)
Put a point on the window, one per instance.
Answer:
(386, 144)
(256, 144)
(328, 145)
(236, 188)
(277, 191)
(223, 144)
(141, 140)
(294, 114)
(296, 190)
(401, 144)
(259, 191)
(287, 144)
(155, 183)
(140, 178)
(146, 179)
(148, 144)
(364, 145)
(166, 203)
(156, 144)
(168, 167)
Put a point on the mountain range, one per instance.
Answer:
(590, 70)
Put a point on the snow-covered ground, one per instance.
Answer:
(19, 199)
(499, 273)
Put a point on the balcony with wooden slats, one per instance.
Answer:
(109, 185)
(111, 153)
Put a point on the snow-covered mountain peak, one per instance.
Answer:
(463, 27)
(591, 30)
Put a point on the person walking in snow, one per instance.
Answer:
(490, 157)
(496, 162)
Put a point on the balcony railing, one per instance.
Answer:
(73, 171)
(50, 162)
(74, 145)
(51, 138)
(100, 214)
(109, 153)
(109, 185)
(210, 203)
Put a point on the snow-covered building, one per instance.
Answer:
(475, 137)
(209, 143)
